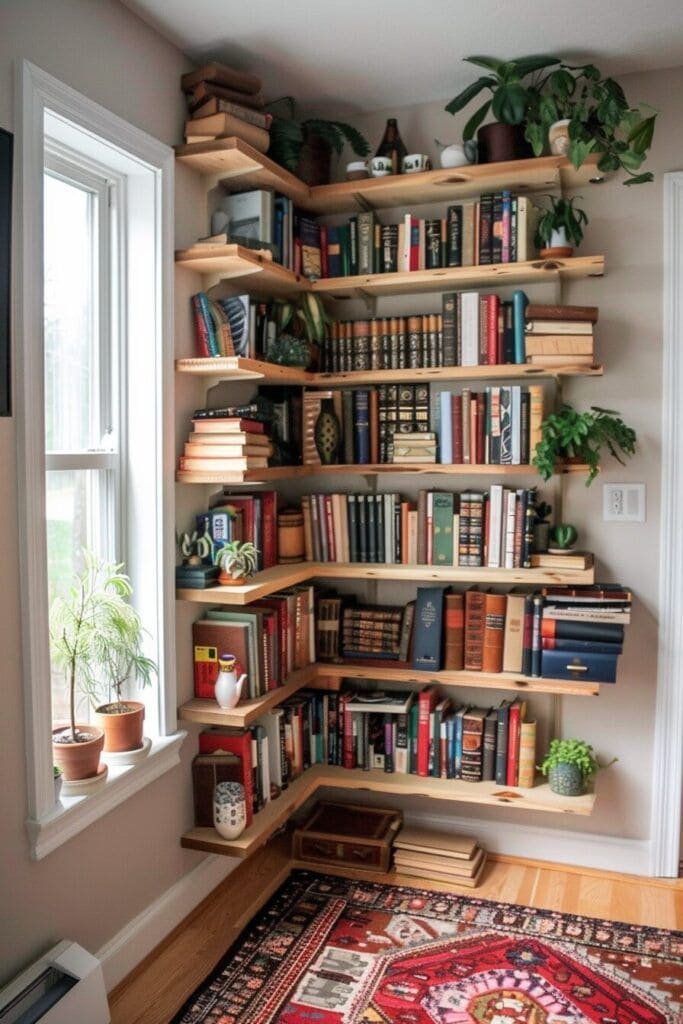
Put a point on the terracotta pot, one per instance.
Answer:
(315, 161)
(227, 581)
(122, 730)
(497, 143)
(79, 760)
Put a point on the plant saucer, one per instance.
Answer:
(116, 757)
(84, 787)
(561, 551)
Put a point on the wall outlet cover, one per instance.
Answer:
(623, 503)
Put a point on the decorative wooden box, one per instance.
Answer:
(349, 834)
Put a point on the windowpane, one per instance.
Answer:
(71, 336)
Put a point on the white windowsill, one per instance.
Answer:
(73, 814)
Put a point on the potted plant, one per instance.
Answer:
(570, 766)
(581, 437)
(563, 537)
(305, 147)
(237, 561)
(579, 112)
(560, 229)
(301, 327)
(541, 527)
(512, 97)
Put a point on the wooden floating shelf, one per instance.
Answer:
(277, 812)
(207, 712)
(251, 268)
(271, 580)
(446, 278)
(238, 368)
(255, 476)
(238, 166)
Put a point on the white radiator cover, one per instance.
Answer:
(85, 1002)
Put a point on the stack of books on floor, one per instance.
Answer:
(560, 335)
(223, 102)
(423, 853)
(226, 440)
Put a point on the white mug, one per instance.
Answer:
(415, 162)
(380, 166)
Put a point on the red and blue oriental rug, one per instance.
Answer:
(333, 951)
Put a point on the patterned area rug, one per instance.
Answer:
(333, 951)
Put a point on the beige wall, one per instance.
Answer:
(90, 887)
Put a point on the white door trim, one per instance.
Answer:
(667, 759)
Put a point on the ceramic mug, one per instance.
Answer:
(356, 170)
(415, 162)
(229, 809)
(380, 166)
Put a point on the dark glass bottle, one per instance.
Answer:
(392, 145)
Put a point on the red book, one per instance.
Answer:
(269, 528)
(492, 354)
(235, 741)
(426, 702)
(414, 243)
(517, 709)
(324, 252)
(279, 606)
(346, 719)
(481, 427)
(456, 428)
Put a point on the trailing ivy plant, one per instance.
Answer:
(582, 435)
(562, 214)
(601, 120)
(576, 752)
(511, 96)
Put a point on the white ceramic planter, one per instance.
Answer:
(229, 809)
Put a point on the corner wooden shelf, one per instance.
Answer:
(252, 268)
(271, 580)
(277, 812)
(207, 712)
(255, 476)
(238, 368)
(239, 167)
(496, 275)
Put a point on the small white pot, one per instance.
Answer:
(558, 137)
(558, 239)
(229, 810)
(453, 156)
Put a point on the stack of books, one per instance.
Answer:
(560, 335)
(373, 632)
(443, 857)
(225, 102)
(582, 630)
(243, 517)
(414, 448)
(225, 440)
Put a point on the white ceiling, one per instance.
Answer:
(374, 54)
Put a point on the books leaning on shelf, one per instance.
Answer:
(560, 335)
(225, 444)
(222, 327)
(223, 102)
(573, 633)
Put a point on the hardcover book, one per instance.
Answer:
(428, 626)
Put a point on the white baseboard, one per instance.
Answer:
(581, 849)
(138, 938)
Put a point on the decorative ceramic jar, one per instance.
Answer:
(566, 780)
(228, 688)
(327, 433)
(290, 536)
(229, 809)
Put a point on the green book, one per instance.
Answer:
(366, 242)
(442, 528)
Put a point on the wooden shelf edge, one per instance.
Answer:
(240, 368)
(271, 580)
(276, 812)
(207, 712)
(255, 476)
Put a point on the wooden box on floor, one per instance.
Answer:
(347, 834)
(423, 853)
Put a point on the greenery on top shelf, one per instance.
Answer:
(289, 135)
(582, 435)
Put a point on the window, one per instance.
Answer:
(94, 380)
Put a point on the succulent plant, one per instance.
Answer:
(563, 536)
(238, 559)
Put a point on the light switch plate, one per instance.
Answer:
(623, 503)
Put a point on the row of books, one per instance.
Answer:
(228, 443)
(557, 633)
(560, 335)
(493, 529)
(499, 426)
(243, 517)
(270, 639)
(222, 326)
(223, 101)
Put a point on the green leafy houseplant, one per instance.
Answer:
(582, 435)
(237, 560)
(290, 137)
(563, 536)
(601, 120)
(562, 216)
(511, 95)
(571, 765)
(301, 326)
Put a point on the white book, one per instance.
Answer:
(527, 221)
(271, 723)
(404, 254)
(509, 549)
(495, 526)
(251, 214)
(469, 309)
(446, 432)
(388, 500)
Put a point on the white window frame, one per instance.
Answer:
(148, 381)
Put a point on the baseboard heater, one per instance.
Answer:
(65, 986)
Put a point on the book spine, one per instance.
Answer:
(512, 774)
(494, 627)
(361, 426)
(475, 603)
(527, 755)
(502, 724)
(454, 236)
(425, 704)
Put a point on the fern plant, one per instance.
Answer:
(288, 135)
(582, 435)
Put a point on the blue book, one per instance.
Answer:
(519, 304)
(214, 347)
(427, 645)
(579, 665)
(361, 426)
(445, 429)
(457, 743)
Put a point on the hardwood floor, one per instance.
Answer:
(160, 985)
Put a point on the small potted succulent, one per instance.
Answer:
(563, 537)
(571, 766)
(569, 435)
(237, 561)
(541, 527)
(560, 229)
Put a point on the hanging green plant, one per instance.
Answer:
(569, 434)
(562, 217)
